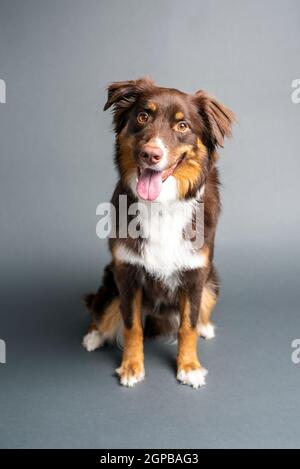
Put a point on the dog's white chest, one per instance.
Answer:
(164, 250)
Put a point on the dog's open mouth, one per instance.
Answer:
(150, 181)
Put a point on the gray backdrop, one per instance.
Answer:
(56, 166)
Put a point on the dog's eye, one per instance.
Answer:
(142, 117)
(182, 126)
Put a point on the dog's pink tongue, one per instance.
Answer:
(149, 184)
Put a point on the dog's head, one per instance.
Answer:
(166, 139)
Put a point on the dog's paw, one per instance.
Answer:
(92, 340)
(192, 377)
(207, 331)
(130, 373)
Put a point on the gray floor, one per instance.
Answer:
(55, 394)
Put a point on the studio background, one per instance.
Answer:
(56, 156)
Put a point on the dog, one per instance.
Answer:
(161, 284)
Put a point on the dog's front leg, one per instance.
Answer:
(131, 370)
(189, 369)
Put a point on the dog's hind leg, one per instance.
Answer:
(107, 324)
(93, 339)
(108, 328)
(209, 299)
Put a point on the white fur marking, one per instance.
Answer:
(128, 379)
(164, 161)
(194, 378)
(164, 251)
(207, 331)
(92, 340)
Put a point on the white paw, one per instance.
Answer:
(92, 340)
(206, 330)
(129, 379)
(194, 378)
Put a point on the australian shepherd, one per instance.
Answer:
(160, 282)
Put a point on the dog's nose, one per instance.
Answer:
(152, 155)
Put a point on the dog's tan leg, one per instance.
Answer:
(108, 327)
(132, 370)
(189, 368)
(208, 301)
(111, 321)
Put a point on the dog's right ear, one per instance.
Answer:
(122, 95)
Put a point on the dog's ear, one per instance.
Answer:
(217, 117)
(122, 95)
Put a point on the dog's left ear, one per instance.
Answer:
(122, 95)
(217, 117)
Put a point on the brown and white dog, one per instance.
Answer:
(166, 153)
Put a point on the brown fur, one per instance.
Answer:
(188, 173)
